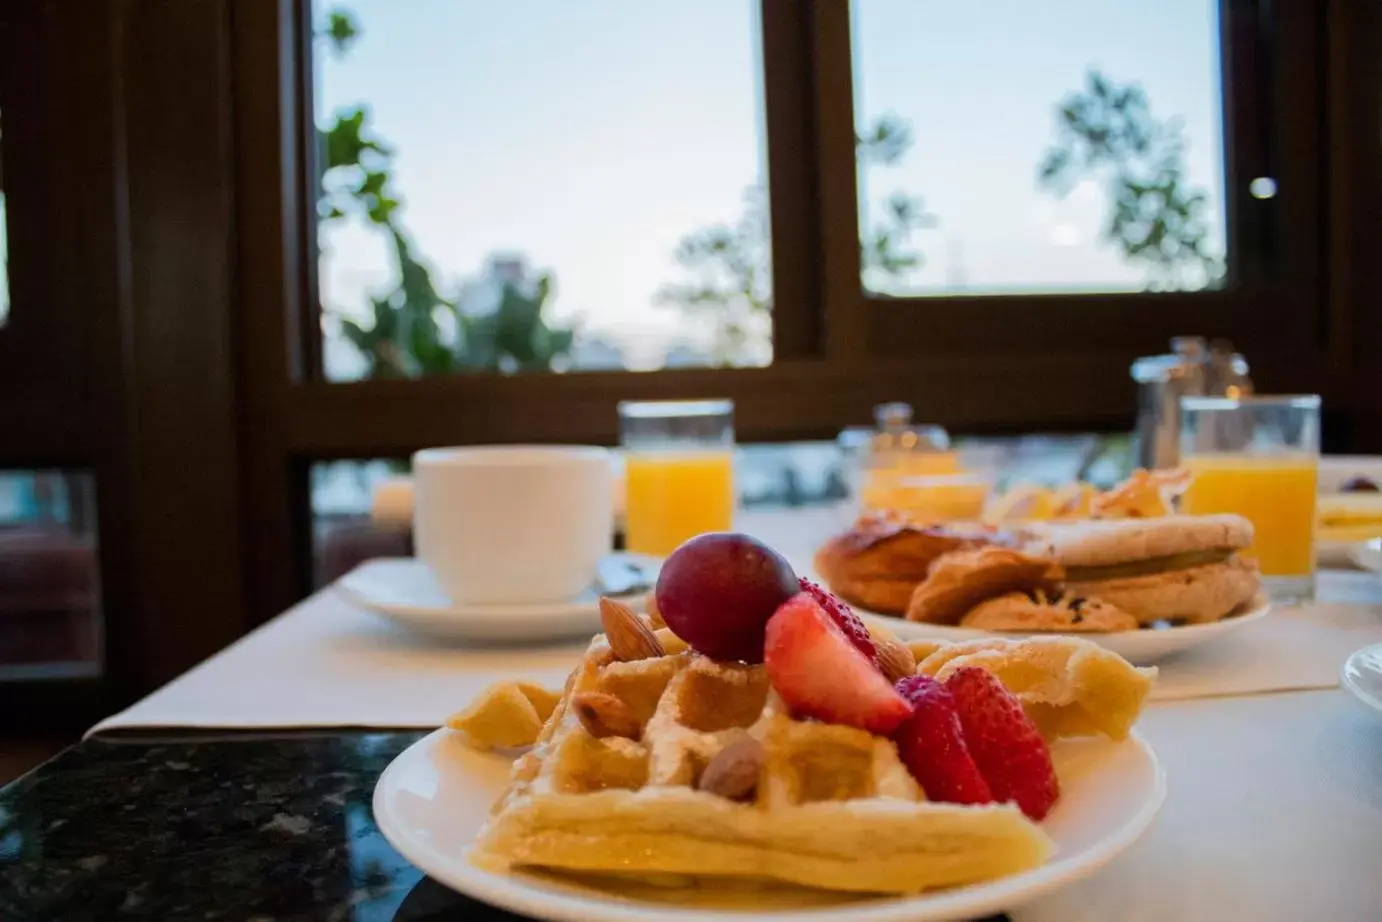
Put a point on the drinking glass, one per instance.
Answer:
(678, 471)
(1259, 457)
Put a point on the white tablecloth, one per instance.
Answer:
(1273, 813)
(328, 663)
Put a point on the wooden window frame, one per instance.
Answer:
(971, 363)
(1041, 359)
(1271, 309)
(117, 355)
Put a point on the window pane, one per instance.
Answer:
(538, 185)
(357, 515)
(1013, 147)
(50, 598)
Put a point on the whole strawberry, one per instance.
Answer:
(932, 746)
(1005, 744)
(843, 616)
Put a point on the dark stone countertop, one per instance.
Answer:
(241, 828)
(249, 828)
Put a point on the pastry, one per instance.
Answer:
(507, 715)
(961, 580)
(1022, 502)
(1062, 613)
(1352, 516)
(1174, 568)
(1073, 501)
(1068, 686)
(1144, 495)
(877, 563)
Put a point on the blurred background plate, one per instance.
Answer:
(1139, 647)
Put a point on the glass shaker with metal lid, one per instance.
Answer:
(1194, 368)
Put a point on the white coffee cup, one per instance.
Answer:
(513, 524)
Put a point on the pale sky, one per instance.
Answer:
(592, 135)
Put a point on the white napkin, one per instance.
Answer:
(1291, 648)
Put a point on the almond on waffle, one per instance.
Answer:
(679, 764)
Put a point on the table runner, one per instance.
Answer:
(329, 663)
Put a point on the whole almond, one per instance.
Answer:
(629, 638)
(604, 715)
(894, 659)
(733, 772)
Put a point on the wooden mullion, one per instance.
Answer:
(846, 321)
(273, 121)
(793, 200)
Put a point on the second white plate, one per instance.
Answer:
(1140, 647)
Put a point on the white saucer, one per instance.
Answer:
(1362, 675)
(1139, 647)
(404, 590)
(432, 800)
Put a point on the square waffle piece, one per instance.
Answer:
(675, 764)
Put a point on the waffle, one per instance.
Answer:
(681, 765)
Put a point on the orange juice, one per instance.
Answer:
(1276, 493)
(929, 486)
(673, 496)
(945, 498)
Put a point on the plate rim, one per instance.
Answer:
(504, 892)
(540, 612)
(953, 632)
(1366, 698)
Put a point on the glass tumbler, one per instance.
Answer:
(678, 471)
(1259, 457)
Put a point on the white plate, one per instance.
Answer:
(404, 590)
(1362, 675)
(1367, 554)
(432, 800)
(1140, 647)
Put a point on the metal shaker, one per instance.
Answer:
(1194, 368)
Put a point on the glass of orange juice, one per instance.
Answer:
(1259, 457)
(678, 471)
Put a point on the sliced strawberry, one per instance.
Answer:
(844, 617)
(932, 746)
(1009, 751)
(821, 674)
